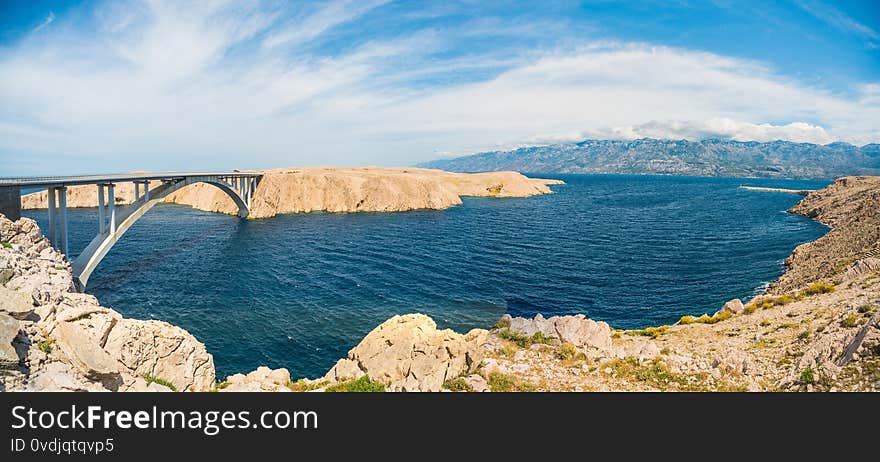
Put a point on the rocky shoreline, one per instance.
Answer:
(315, 189)
(816, 329)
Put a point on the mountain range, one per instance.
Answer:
(774, 159)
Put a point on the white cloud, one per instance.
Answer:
(318, 22)
(840, 20)
(48, 20)
(721, 128)
(591, 91)
(169, 85)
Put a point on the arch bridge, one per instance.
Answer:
(114, 220)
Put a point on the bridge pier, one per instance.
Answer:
(102, 225)
(56, 198)
(10, 202)
(111, 206)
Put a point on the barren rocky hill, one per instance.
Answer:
(364, 189)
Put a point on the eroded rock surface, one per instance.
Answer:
(409, 353)
(55, 339)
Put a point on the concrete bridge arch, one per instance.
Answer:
(115, 220)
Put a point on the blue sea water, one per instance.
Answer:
(298, 291)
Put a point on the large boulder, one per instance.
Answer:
(162, 350)
(734, 306)
(14, 303)
(88, 357)
(409, 353)
(9, 327)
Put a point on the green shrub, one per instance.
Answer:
(499, 382)
(654, 373)
(502, 323)
(706, 319)
(153, 379)
(807, 376)
(865, 309)
(567, 351)
(850, 321)
(458, 384)
(6, 245)
(521, 340)
(46, 346)
(805, 335)
(768, 302)
(652, 332)
(819, 288)
(539, 337)
(765, 323)
(302, 385)
(361, 385)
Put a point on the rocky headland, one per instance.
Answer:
(816, 329)
(331, 189)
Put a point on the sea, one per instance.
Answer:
(300, 290)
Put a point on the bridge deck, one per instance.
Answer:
(53, 181)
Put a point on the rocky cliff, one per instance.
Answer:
(366, 189)
(53, 339)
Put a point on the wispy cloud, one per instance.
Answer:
(174, 85)
(313, 24)
(50, 18)
(840, 20)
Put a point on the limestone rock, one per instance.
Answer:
(86, 355)
(408, 353)
(594, 337)
(9, 328)
(345, 369)
(162, 350)
(5, 275)
(861, 268)
(477, 383)
(639, 348)
(17, 304)
(734, 306)
(59, 376)
(261, 379)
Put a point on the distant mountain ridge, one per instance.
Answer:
(774, 159)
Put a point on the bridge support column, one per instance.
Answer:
(111, 200)
(102, 222)
(62, 228)
(250, 192)
(10, 202)
(137, 191)
(52, 200)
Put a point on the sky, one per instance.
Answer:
(93, 86)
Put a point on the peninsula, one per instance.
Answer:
(329, 189)
(814, 329)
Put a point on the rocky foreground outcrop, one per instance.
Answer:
(409, 353)
(52, 338)
(365, 189)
